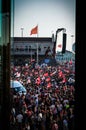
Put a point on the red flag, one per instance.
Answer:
(49, 85)
(70, 62)
(60, 74)
(64, 80)
(45, 74)
(38, 81)
(60, 45)
(34, 30)
(48, 79)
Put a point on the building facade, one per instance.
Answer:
(67, 56)
(28, 46)
(25, 48)
(31, 47)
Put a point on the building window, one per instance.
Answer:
(26, 48)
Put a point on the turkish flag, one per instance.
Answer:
(45, 74)
(48, 79)
(34, 30)
(49, 85)
(38, 81)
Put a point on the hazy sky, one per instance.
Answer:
(48, 14)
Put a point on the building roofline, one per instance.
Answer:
(66, 51)
(32, 38)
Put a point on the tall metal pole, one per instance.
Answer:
(31, 53)
(72, 44)
(37, 54)
(72, 40)
(22, 32)
(37, 47)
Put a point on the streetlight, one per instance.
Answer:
(22, 32)
(73, 54)
(72, 38)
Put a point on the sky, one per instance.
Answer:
(50, 15)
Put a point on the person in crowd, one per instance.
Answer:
(49, 101)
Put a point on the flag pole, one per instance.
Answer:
(35, 31)
(37, 47)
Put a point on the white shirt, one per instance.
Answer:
(19, 118)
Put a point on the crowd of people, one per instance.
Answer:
(49, 101)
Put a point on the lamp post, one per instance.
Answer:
(71, 46)
(22, 32)
(72, 40)
(31, 53)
